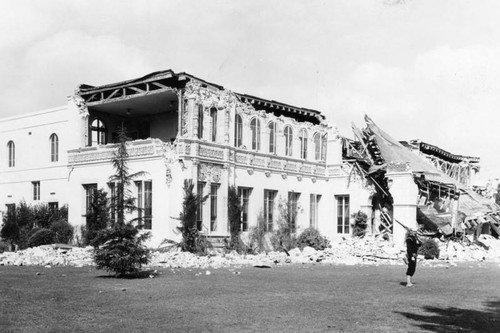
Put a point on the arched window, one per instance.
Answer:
(320, 147)
(11, 147)
(255, 128)
(288, 141)
(303, 143)
(317, 146)
(238, 131)
(54, 148)
(272, 137)
(97, 132)
(213, 115)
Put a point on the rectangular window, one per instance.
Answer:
(144, 203)
(269, 197)
(244, 194)
(313, 212)
(213, 206)
(213, 115)
(11, 209)
(272, 138)
(148, 205)
(199, 210)
(90, 190)
(36, 190)
(343, 214)
(293, 209)
(53, 206)
(140, 204)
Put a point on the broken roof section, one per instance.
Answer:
(168, 80)
(380, 150)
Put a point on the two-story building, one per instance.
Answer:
(182, 127)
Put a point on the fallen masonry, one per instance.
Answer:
(345, 251)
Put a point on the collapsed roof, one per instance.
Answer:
(379, 149)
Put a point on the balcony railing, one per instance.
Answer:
(135, 149)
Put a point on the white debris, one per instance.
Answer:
(344, 251)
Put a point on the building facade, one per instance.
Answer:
(182, 127)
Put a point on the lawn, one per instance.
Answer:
(295, 298)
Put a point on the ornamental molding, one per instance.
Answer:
(80, 103)
(209, 172)
(221, 99)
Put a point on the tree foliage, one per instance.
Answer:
(124, 200)
(121, 247)
(97, 218)
(188, 227)
(234, 216)
(121, 250)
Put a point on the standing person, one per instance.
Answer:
(413, 242)
(412, 245)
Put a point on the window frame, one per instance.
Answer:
(244, 197)
(100, 131)
(36, 190)
(288, 134)
(238, 131)
(213, 117)
(54, 147)
(255, 133)
(303, 143)
(11, 148)
(269, 205)
(343, 214)
(214, 193)
(272, 137)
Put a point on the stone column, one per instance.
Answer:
(404, 192)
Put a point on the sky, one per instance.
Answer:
(421, 69)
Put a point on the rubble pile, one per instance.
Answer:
(48, 255)
(344, 251)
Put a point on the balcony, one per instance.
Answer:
(136, 149)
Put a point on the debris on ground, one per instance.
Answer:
(344, 251)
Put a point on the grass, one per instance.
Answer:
(295, 298)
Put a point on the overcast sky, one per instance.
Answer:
(421, 69)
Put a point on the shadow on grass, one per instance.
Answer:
(453, 319)
(130, 276)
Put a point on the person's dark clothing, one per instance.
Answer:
(412, 246)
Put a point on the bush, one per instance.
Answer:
(4, 246)
(283, 239)
(121, 250)
(41, 236)
(360, 224)
(429, 249)
(311, 237)
(257, 234)
(63, 231)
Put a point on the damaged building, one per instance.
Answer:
(418, 179)
(182, 128)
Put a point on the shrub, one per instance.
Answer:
(311, 237)
(257, 234)
(63, 231)
(121, 250)
(429, 249)
(282, 238)
(41, 236)
(360, 224)
(4, 246)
